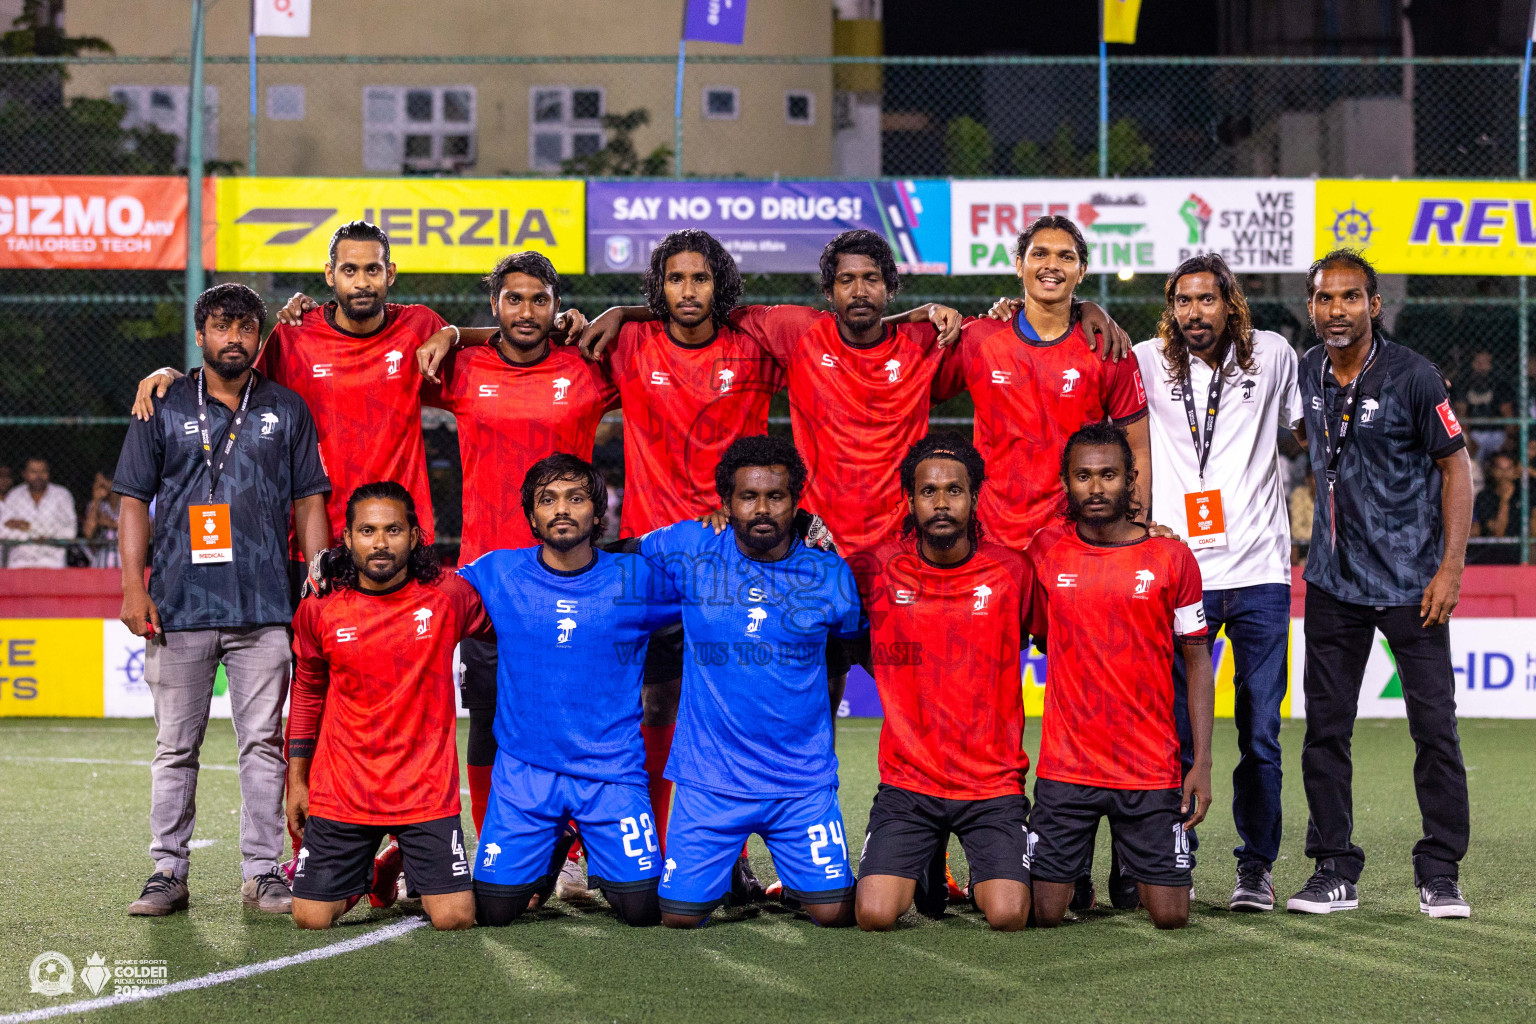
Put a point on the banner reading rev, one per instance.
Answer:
(1432, 227)
(434, 226)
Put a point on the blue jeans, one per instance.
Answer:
(1258, 621)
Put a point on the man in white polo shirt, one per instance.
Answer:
(1216, 479)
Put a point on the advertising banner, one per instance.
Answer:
(1431, 227)
(435, 226)
(50, 667)
(61, 222)
(771, 227)
(1139, 225)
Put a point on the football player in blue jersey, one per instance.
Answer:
(572, 626)
(753, 751)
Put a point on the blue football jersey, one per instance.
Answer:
(754, 719)
(571, 657)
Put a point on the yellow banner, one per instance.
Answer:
(435, 225)
(50, 667)
(1431, 227)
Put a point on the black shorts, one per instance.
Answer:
(477, 689)
(1145, 825)
(907, 829)
(336, 860)
(664, 656)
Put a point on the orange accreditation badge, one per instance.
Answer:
(1207, 521)
(212, 540)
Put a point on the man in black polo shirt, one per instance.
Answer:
(1389, 539)
(225, 456)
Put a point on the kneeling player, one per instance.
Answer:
(572, 625)
(753, 750)
(947, 612)
(371, 747)
(1113, 601)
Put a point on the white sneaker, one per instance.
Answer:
(571, 886)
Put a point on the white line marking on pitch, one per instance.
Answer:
(373, 938)
(100, 760)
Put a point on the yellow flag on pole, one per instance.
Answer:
(1120, 20)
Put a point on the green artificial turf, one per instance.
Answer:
(73, 853)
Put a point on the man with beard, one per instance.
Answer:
(1389, 541)
(227, 456)
(572, 624)
(754, 744)
(371, 747)
(1111, 603)
(517, 400)
(1221, 389)
(947, 612)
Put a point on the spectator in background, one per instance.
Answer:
(7, 480)
(37, 510)
(1482, 395)
(1303, 499)
(100, 526)
(1496, 512)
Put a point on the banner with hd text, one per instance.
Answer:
(462, 226)
(69, 222)
(1431, 227)
(1139, 225)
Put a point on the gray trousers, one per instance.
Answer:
(180, 674)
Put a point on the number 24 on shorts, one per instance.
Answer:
(821, 837)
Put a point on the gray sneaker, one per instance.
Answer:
(268, 892)
(163, 894)
(1255, 889)
(1441, 897)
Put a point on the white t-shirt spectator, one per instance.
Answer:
(52, 517)
(1244, 463)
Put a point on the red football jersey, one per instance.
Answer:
(1111, 614)
(1030, 397)
(365, 394)
(373, 703)
(945, 646)
(683, 406)
(854, 413)
(510, 417)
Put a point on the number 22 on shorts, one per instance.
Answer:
(634, 831)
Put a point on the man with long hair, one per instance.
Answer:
(1218, 391)
(947, 613)
(1111, 603)
(371, 726)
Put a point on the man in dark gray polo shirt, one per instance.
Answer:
(1389, 539)
(225, 457)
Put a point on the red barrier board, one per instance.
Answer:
(58, 222)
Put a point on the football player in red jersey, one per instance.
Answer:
(1036, 376)
(948, 612)
(1112, 602)
(371, 747)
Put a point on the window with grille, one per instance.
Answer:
(165, 107)
(563, 122)
(418, 128)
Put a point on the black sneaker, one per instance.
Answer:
(1324, 893)
(162, 895)
(1083, 896)
(1441, 897)
(745, 887)
(932, 895)
(1124, 893)
(1255, 889)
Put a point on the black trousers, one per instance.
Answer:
(1339, 639)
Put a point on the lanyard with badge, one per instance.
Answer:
(1203, 509)
(1335, 448)
(212, 540)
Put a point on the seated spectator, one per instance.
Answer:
(1481, 394)
(37, 510)
(100, 526)
(7, 480)
(1496, 512)
(1302, 502)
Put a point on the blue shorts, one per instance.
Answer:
(527, 811)
(804, 834)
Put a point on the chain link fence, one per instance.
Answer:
(73, 344)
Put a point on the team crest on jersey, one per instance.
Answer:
(1368, 409)
(1144, 580)
(269, 422)
(755, 617)
(423, 620)
(982, 594)
(726, 379)
(1249, 386)
(892, 370)
(561, 385)
(1069, 378)
(566, 625)
(392, 362)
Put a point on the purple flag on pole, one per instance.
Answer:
(716, 21)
